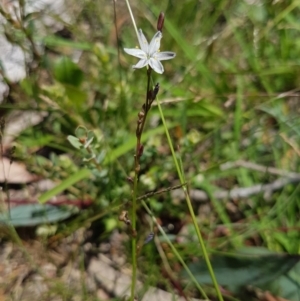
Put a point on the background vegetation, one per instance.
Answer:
(230, 98)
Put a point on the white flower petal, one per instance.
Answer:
(143, 41)
(155, 43)
(136, 52)
(149, 54)
(142, 63)
(156, 65)
(165, 55)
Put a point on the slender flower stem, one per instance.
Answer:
(136, 173)
(150, 56)
(139, 131)
(133, 239)
(133, 224)
(147, 105)
(132, 18)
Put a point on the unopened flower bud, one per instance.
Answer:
(160, 21)
(150, 95)
(155, 91)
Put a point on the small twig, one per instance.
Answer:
(237, 193)
(150, 194)
(261, 168)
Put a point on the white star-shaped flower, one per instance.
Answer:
(149, 54)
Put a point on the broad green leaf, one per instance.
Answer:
(74, 141)
(67, 72)
(258, 268)
(36, 214)
(90, 135)
(81, 132)
(290, 284)
(101, 156)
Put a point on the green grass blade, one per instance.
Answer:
(78, 176)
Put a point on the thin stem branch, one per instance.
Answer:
(132, 18)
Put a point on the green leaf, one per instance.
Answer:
(262, 269)
(27, 86)
(55, 41)
(78, 176)
(200, 109)
(89, 158)
(131, 142)
(90, 138)
(290, 284)
(90, 135)
(75, 95)
(67, 72)
(36, 214)
(81, 132)
(32, 16)
(88, 142)
(100, 174)
(101, 156)
(74, 141)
